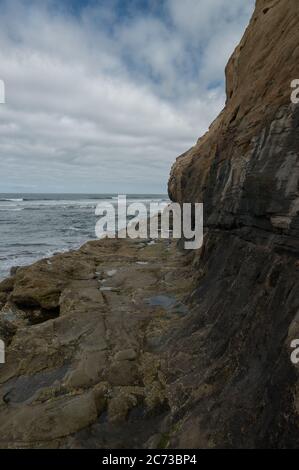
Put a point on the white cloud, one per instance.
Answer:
(92, 108)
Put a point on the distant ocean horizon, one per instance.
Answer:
(35, 226)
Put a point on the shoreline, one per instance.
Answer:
(63, 223)
(119, 235)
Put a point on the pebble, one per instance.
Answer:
(125, 355)
(112, 272)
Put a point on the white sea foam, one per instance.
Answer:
(13, 200)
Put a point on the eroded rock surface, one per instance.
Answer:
(84, 337)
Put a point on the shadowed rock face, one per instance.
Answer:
(243, 388)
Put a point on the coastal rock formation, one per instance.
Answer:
(133, 344)
(244, 389)
(84, 333)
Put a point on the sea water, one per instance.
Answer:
(35, 226)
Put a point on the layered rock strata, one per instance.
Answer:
(246, 171)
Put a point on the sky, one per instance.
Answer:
(103, 95)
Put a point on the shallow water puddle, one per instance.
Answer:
(25, 387)
(168, 303)
(109, 289)
(9, 315)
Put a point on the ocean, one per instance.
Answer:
(35, 226)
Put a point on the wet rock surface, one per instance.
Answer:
(84, 366)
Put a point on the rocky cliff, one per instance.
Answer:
(246, 171)
(134, 344)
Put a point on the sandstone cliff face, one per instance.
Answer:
(246, 164)
(246, 305)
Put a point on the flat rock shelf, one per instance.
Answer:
(86, 350)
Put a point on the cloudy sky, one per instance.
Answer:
(103, 95)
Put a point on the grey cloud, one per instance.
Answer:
(93, 111)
